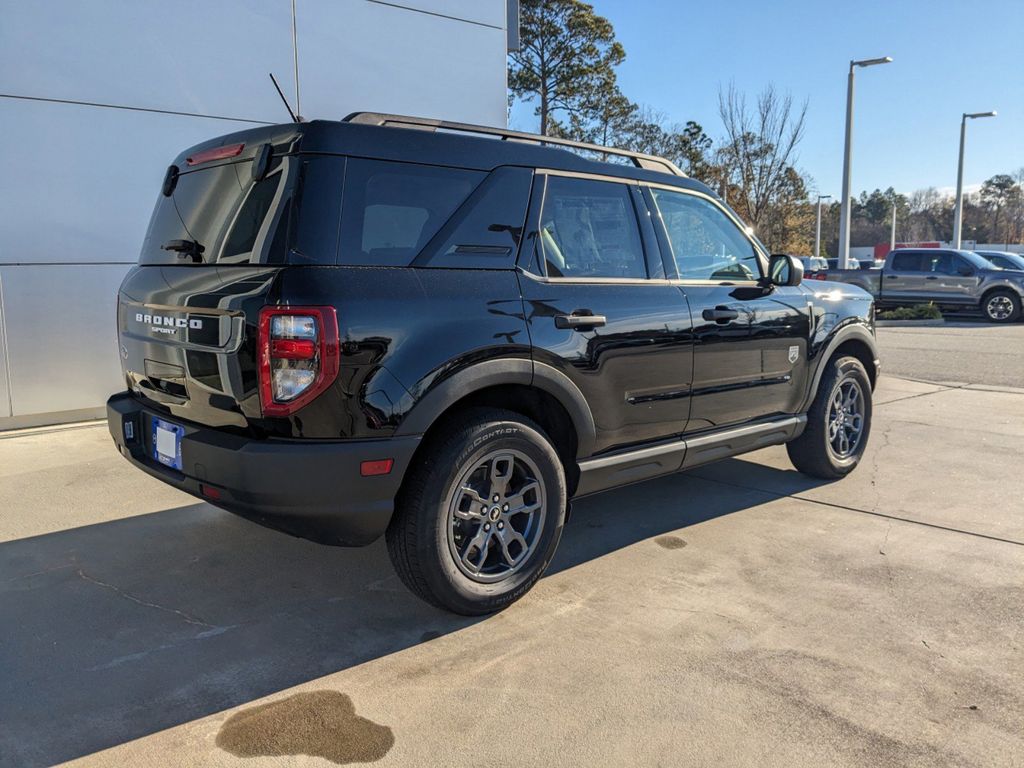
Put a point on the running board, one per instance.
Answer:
(634, 465)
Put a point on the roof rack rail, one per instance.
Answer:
(640, 159)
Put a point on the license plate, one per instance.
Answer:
(167, 443)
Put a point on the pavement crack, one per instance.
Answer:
(944, 388)
(139, 601)
(881, 547)
(846, 508)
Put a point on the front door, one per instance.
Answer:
(600, 310)
(950, 279)
(750, 351)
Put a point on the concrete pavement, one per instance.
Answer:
(960, 351)
(740, 614)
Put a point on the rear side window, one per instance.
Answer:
(906, 262)
(390, 211)
(588, 228)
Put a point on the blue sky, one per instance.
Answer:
(949, 57)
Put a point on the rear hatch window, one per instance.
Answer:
(222, 215)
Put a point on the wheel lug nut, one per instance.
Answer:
(501, 526)
(496, 497)
(504, 508)
(487, 526)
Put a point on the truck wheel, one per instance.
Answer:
(480, 515)
(838, 423)
(1001, 306)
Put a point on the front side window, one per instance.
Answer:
(391, 210)
(588, 228)
(706, 243)
(942, 263)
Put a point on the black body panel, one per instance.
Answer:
(440, 298)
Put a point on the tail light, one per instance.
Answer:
(298, 356)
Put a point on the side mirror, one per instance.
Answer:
(784, 269)
(964, 271)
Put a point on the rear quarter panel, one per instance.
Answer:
(403, 331)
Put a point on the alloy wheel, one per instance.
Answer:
(495, 515)
(845, 418)
(999, 307)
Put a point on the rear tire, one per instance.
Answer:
(838, 422)
(1001, 306)
(457, 540)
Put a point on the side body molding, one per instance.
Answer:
(491, 373)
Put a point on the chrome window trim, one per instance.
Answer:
(590, 280)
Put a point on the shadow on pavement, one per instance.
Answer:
(117, 630)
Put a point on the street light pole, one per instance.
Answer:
(817, 227)
(844, 213)
(892, 235)
(959, 211)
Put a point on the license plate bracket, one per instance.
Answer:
(166, 443)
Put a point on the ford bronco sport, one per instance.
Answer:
(442, 333)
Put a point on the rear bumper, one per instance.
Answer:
(308, 488)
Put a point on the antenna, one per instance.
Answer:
(286, 104)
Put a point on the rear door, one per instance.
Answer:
(750, 352)
(903, 277)
(600, 310)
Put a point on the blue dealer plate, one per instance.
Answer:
(167, 443)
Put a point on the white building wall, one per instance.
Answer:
(79, 182)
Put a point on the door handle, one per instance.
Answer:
(891, 277)
(931, 277)
(720, 314)
(580, 320)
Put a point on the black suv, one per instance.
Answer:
(443, 333)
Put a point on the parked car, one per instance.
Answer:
(371, 327)
(953, 280)
(1004, 259)
(813, 264)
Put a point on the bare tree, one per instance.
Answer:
(759, 148)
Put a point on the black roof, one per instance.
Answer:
(461, 150)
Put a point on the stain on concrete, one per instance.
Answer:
(318, 723)
(670, 542)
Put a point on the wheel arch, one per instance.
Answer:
(535, 390)
(854, 340)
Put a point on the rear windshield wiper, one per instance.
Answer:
(186, 249)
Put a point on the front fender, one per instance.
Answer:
(856, 329)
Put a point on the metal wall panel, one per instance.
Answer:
(186, 55)
(79, 182)
(489, 13)
(5, 398)
(61, 335)
(400, 61)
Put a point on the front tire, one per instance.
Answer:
(479, 517)
(1001, 306)
(838, 422)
